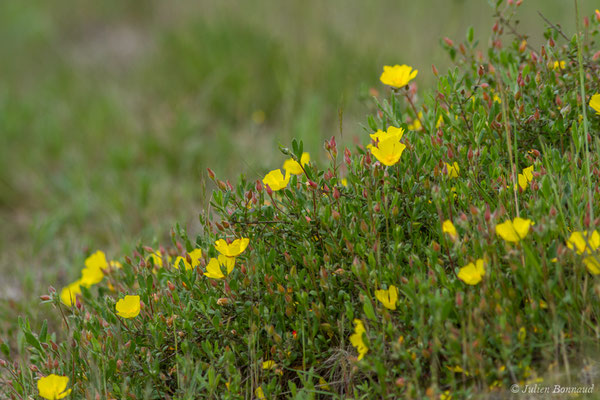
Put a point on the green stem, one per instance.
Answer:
(584, 112)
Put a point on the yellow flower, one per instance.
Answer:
(448, 227)
(323, 383)
(388, 151)
(559, 65)
(260, 395)
(276, 180)
(357, 339)
(213, 268)
(234, 249)
(471, 274)
(416, 124)
(398, 75)
(157, 259)
(388, 298)
(582, 242)
(268, 364)
(293, 167)
(69, 293)
(92, 273)
(392, 132)
(595, 103)
(453, 170)
(53, 387)
(115, 264)
(525, 177)
(195, 255)
(446, 395)
(592, 264)
(439, 122)
(128, 307)
(344, 182)
(586, 244)
(515, 230)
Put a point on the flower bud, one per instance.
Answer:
(523, 46)
(45, 297)
(336, 193)
(449, 42)
(347, 155)
(269, 190)
(435, 70)
(211, 173)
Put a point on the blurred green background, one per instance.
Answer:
(110, 111)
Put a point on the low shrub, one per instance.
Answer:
(453, 253)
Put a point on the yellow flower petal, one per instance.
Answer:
(398, 75)
(388, 297)
(515, 230)
(595, 103)
(356, 339)
(69, 293)
(53, 387)
(453, 169)
(448, 227)
(213, 269)
(388, 151)
(293, 167)
(128, 307)
(234, 249)
(472, 274)
(276, 180)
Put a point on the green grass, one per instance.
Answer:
(110, 112)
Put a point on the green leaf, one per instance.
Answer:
(368, 309)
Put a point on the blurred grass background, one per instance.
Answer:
(111, 111)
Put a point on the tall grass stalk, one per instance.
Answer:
(584, 110)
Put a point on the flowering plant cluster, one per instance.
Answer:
(418, 264)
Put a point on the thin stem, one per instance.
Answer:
(584, 112)
(508, 140)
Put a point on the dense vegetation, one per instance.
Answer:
(453, 252)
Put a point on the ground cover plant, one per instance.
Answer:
(452, 253)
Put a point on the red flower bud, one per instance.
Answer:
(211, 173)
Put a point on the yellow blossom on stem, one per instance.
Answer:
(559, 65)
(452, 169)
(69, 293)
(388, 298)
(398, 75)
(179, 260)
(585, 243)
(234, 249)
(260, 395)
(416, 124)
(448, 227)
(388, 151)
(525, 177)
(94, 265)
(276, 180)
(293, 167)
(392, 132)
(515, 230)
(213, 268)
(157, 259)
(53, 387)
(471, 274)
(595, 103)
(356, 339)
(128, 307)
(269, 364)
